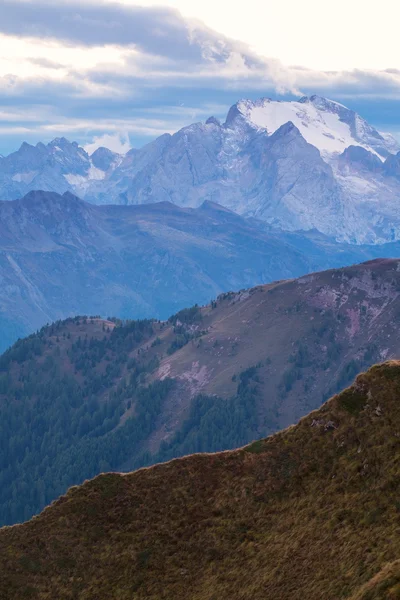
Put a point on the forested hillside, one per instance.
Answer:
(89, 395)
(74, 404)
(311, 512)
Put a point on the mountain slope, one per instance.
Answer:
(59, 166)
(383, 586)
(311, 512)
(60, 257)
(87, 395)
(327, 125)
(293, 164)
(284, 162)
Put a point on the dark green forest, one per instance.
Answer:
(73, 406)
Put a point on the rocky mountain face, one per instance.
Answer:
(60, 166)
(60, 257)
(310, 164)
(89, 395)
(327, 125)
(311, 512)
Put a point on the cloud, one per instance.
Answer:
(99, 69)
(161, 47)
(118, 142)
(46, 63)
(158, 41)
(99, 24)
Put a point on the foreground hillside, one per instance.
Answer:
(87, 395)
(60, 257)
(311, 512)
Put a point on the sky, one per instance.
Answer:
(121, 73)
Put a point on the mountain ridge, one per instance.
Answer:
(299, 514)
(61, 256)
(313, 179)
(314, 112)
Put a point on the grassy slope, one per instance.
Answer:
(312, 512)
(383, 586)
(312, 336)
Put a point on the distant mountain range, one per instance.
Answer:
(89, 395)
(311, 512)
(60, 256)
(310, 164)
(211, 272)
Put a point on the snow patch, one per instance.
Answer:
(75, 180)
(27, 177)
(95, 174)
(316, 122)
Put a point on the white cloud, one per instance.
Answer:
(91, 44)
(118, 142)
(343, 35)
(140, 70)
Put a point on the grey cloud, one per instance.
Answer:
(159, 31)
(174, 62)
(46, 63)
(167, 47)
(98, 101)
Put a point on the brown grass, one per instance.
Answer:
(310, 513)
(384, 586)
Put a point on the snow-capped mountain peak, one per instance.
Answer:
(307, 164)
(323, 103)
(328, 125)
